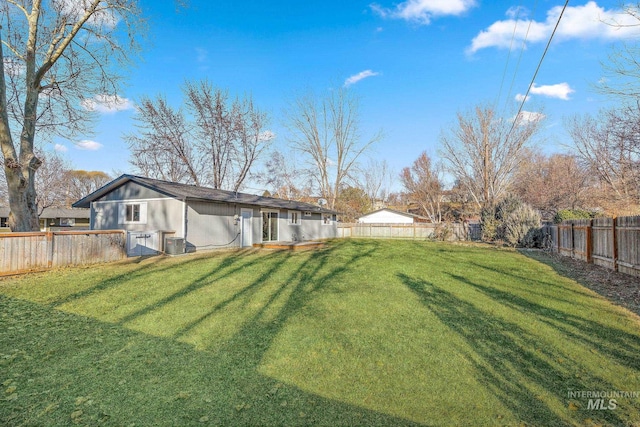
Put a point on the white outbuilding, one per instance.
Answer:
(389, 216)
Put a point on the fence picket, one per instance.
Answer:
(613, 243)
(24, 252)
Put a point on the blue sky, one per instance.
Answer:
(414, 64)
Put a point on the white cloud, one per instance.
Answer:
(60, 148)
(586, 22)
(267, 135)
(516, 12)
(202, 55)
(520, 97)
(528, 117)
(75, 9)
(559, 91)
(360, 76)
(88, 145)
(107, 104)
(422, 11)
(13, 67)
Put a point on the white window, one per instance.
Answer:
(294, 217)
(307, 213)
(67, 222)
(132, 213)
(326, 219)
(4, 222)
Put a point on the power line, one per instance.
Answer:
(533, 79)
(506, 65)
(524, 41)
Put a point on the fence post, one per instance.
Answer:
(615, 243)
(573, 243)
(589, 237)
(49, 249)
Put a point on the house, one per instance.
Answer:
(390, 216)
(52, 219)
(204, 218)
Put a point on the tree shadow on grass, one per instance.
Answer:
(547, 282)
(229, 266)
(529, 379)
(618, 345)
(311, 277)
(70, 368)
(73, 370)
(139, 272)
(596, 278)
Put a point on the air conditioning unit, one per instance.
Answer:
(174, 245)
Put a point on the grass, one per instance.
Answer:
(359, 333)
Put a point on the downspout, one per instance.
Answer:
(184, 220)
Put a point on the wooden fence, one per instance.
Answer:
(25, 252)
(418, 231)
(613, 243)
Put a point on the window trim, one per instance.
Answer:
(326, 215)
(130, 211)
(67, 222)
(277, 224)
(291, 216)
(142, 212)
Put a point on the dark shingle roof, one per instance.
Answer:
(177, 190)
(53, 213)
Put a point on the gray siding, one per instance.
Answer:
(132, 191)
(212, 225)
(310, 228)
(165, 215)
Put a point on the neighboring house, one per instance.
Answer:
(53, 219)
(390, 216)
(205, 218)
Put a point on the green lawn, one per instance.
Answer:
(359, 333)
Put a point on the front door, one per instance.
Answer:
(246, 227)
(269, 226)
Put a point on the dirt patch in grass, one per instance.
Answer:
(621, 289)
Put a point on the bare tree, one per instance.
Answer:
(163, 147)
(326, 131)
(52, 55)
(609, 145)
(423, 182)
(217, 144)
(58, 185)
(282, 176)
(352, 202)
(80, 183)
(376, 180)
(622, 69)
(551, 183)
(50, 182)
(483, 151)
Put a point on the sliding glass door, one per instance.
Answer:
(269, 226)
